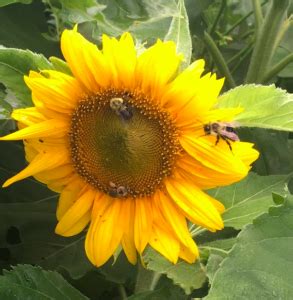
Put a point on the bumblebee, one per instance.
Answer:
(121, 109)
(117, 191)
(222, 130)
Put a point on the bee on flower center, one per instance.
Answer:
(222, 130)
(121, 109)
(117, 191)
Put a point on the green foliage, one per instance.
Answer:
(179, 33)
(264, 106)
(14, 64)
(28, 282)
(254, 263)
(7, 2)
(24, 26)
(187, 276)
(249, 198)
(260, 264)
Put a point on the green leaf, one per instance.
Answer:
(187, 276)
(249, 198)
(14, 64)
(146, 20)
(179, 33)
(60, 65)
(163, 293)
(275, 147)
(264, 106)
(25, 26)
(260, 265)
(219, 246)
(213, 266)
(7, 2)
(5, 108)
(28, 282)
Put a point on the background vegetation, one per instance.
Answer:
(248, 42)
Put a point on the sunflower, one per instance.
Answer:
(122, 139)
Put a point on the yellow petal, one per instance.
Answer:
(27, 116)
(143, 220)
(43, 129)
(190, 108)
(128, 236)
(56, 173)
(68, 196)
(184, 87)
(101, 203)
(107, 232)
(165, 243)
(121, 57)
(245, 152)
(156, 67)
(189, 254)
(85, 60)
(40, 163)
(73, 221)
(58, 91)
(194, 203)
(175, 219)
(215, 157)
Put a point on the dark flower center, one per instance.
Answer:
(122, 143)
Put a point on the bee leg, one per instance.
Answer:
(228, 143)
(217, 140)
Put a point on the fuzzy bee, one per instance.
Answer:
(121, 109)
(117, 191)
(222, 130)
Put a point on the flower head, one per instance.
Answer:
(124, 141)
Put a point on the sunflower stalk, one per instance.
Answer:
(266, 41)
(257, 14)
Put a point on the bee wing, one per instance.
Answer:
(232, 124)
(230, 135)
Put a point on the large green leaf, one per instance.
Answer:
(260, 265)
(179, 33)
(187, 276)
(249, 198)
(275, 147)
(5, 108)
(14, 64)
(145, 19)
(7, 2)
(25, 26)
(264, 106)
(28, 282)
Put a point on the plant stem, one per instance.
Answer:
(240, 53)
(215, 249)
(155, 281)
(122, 292)
(241, 20)
(144, 279)
(219, 60)
(242, 58)
(222, 8)
(277, 68)
(198, 231)
(266, 41)
(258, 15)
(285, 26)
